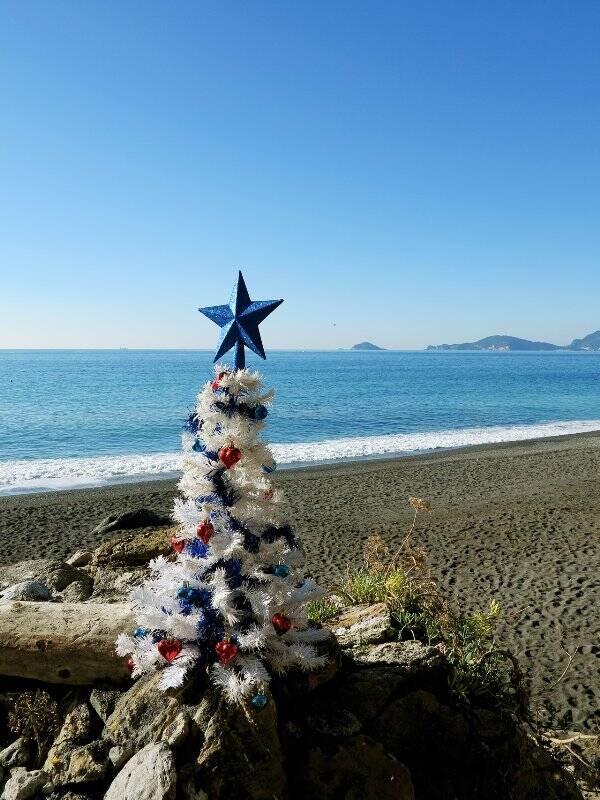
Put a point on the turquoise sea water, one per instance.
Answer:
(84, 416)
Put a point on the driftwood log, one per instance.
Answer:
(69, 643)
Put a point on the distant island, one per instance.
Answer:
(590, 343)
(366, 346)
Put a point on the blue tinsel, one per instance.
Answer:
(196, 548)
(192, 423)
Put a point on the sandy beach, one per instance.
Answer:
(516, 522)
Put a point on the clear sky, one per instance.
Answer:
(408, 173)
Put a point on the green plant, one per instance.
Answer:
(322, 610)
(481, 673)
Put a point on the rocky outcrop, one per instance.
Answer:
(376, 723)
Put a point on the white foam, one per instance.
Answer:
(67, 473)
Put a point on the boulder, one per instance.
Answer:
(358, 769)
(53, 574)
(413, 658)
(26, 590)
(114, 585)
(77, 730)
(103, 701)
(81, 558)
(71, 643)
(241, 753)
(131, 550)
(362, 625)
(140, 518)
(16, 754)
(23, 784)
(148, 775)
(142, 715)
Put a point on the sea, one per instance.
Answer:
(75, 418)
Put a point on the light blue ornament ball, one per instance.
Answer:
(198, 447)
(259, 701)
(140, 632)
(282, 570)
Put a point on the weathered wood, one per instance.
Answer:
(69, 643)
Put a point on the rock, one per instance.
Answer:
(114, 585)
(103, 701)
(81, 558)
(52, 573)
(241, 748)
(87, 764)
(367, 691)
(74, 757)
(16, 754)
(175, 733)
(142, 715)
(149, 775)
(412, 657)
(76, 730)
(26, 590)
(358, 770)
(337, 723)
(416, 726)
(362, 625)
(70, 643)
(22, 784)
(77, 592)
(130, 550)
(141, 518)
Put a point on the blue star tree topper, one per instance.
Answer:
(239, 323)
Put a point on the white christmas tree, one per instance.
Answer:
(234, 598)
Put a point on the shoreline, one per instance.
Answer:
(437, 452)
(516, 522)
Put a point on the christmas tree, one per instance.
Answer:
(234, 598)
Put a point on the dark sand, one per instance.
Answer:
(516, 522)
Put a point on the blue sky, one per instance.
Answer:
(407, 173)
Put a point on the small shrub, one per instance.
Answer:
(322, 610)
(35, 718)
(481, 673)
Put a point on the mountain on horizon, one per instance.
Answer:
(366, 346)
(589, 343)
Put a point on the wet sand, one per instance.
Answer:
(516, 522)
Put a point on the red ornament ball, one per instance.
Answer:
(268, 495)
(178, 544)
(130, 664)
(204, 531)
(169, 648)
(217, 381)
(226, 651)
(229, 456)
(281, 623)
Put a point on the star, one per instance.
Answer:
(239, 323)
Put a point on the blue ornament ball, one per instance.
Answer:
(260, 412)
(268, 469)
(282, 570)
(198, 447)
(259, 701)
(139, 633)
